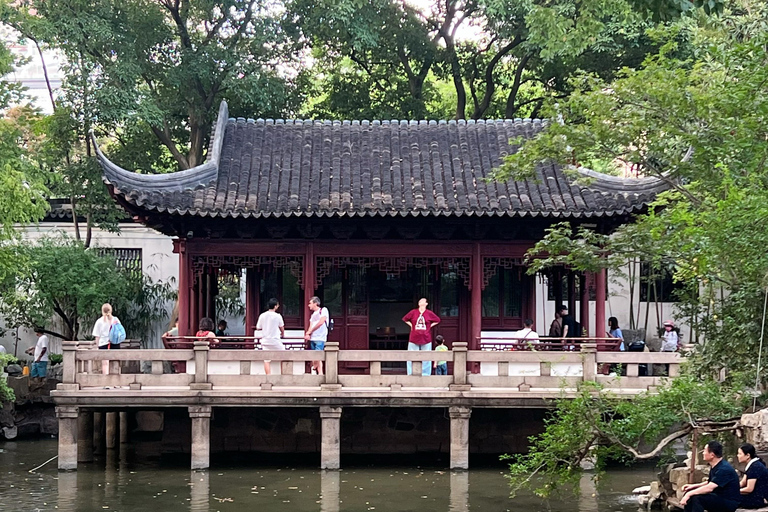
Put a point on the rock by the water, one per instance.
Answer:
(10, 432)
(13, 369)
(645, 489)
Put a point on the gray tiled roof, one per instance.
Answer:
(277, 168)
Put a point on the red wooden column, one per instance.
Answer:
(309, 279)
(584, 306)
(600, 324)
(180, 247)
(476, 297)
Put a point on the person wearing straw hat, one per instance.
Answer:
(670, 343)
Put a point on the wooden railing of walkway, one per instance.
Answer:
(521, 367)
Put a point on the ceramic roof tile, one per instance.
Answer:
(267, 168)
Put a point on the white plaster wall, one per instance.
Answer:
(158, 262)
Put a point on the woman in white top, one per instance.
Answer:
(101, 333)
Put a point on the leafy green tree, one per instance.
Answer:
(61, 280)
(164, 66)
(377, 52)
(597, 426)
(21, 186)
(697, 126)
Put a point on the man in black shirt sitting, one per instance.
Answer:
(721, 492)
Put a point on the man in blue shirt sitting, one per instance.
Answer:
(721, 492)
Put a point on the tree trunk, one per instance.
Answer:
(197, 133)
(510, 109)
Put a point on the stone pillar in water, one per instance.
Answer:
(459, 497)
(67, 492)
(201, 436)
(123, 427)
(330, 432)
(459, 436)
(111, 430)
(199, 491)
(67, 436)
(587, 492)
(85, 436)
(330, 484)
(98, 433)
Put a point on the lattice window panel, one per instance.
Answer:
(492, 265)
(392, 265)
(294, 264)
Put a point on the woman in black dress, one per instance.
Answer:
(754, 483)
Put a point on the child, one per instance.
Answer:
(671, 340)
(441, 367)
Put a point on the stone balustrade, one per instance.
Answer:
(528, 376)
(503, 369)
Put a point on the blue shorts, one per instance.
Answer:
(316, 345)
(39, 369)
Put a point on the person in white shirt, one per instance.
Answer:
(272, 329)
(101, 333)
(527, 334)
(39, 368)
(317, 333)
(2, 349)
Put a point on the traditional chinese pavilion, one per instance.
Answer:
(371, 216)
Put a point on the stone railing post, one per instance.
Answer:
(460, 382)
(67, 416)
(69, 364)
(589, 360)
(331, 367)
(201, 366)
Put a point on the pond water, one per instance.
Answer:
(113, 485)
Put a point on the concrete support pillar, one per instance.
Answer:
(459, 436)
(112, 427)
(67, 436)
(201, 436)
(330, 431)
(98, 433)
(85, 436)
(123, 427)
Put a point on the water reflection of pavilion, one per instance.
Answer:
(370, 216)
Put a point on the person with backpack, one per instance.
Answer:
(108, 333)
(317, 333)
